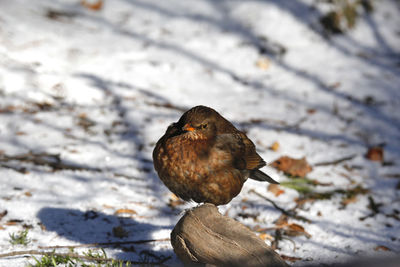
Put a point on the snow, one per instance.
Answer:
(109, 76)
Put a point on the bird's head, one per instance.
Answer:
(199, 123)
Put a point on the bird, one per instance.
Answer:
(204, 158)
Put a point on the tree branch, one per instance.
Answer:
(289, 213)
(334, 162)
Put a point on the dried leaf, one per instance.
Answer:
(275, 189)
(175, 201)
(43, 106)
(263, 63)
(375, 154)
(292, 167)
(128, 211)
(311, 111)
(92, 5)
(275, 146)
(282, 220)
(13, 222)
(85, 122)
(290, 258)
(294, 229)
(348, 200)
(265, 236)
(9, 109)
(28, 194)
(382, 248)
(303, 200)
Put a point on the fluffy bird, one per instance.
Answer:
(204, 158)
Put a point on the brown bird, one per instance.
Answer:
(203, 157)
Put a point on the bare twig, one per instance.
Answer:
(130, 177)
(106, 244)
(290, 213)
(334, 162)
(22, 170)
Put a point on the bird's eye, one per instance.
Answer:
(203, 126)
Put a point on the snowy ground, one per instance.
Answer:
(99, 88)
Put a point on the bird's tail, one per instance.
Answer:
(263, 177)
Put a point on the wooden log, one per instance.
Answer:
(205, 237)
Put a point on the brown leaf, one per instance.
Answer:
(85, 122)
(349, 199)
(265, 236)
(275, 189)
(375, 154)
(382, 248)
(28, 194)
(303, 200)
(8, 109)
(311, 111)
(95, 6)
(290, 258)
(128, 211)
(44, 106)
(282, 220)
(274, 146)
(13, 222)
(294, 229)
(293, 167)
(263, 63)
(175, 201)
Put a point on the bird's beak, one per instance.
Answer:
(188, 128)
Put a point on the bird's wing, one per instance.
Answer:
(242, 151)
(252, 159)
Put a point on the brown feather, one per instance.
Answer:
(252, 159)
